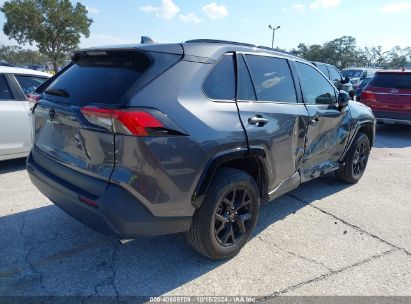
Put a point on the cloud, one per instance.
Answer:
(325, 3)
(299, 8)
(92, 10)
(215, 11)
(167, 10)
(397, 7)
(190, 18)
(269, 83)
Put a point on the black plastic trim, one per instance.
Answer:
(117, 212)
(218, 161)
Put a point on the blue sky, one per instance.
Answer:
(372, 22)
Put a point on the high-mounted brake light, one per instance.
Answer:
(136, 122)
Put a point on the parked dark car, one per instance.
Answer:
(389, 96)
(334, 75)
(163, 138)
(361, 87)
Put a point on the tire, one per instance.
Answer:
(356, 160)
(216, 218)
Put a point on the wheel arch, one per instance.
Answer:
(251, 162)
(366, 127)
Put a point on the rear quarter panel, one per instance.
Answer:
(163, 172)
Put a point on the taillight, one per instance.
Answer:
(135, 122)
(367, 96)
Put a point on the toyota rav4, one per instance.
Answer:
(155, 139)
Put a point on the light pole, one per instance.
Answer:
(273, 28)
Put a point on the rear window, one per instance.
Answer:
(352, 73)
(102, 78)
(386, 80)
(220, 83)
(29, 83)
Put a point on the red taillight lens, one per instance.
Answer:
(367, 96)
(136, 122)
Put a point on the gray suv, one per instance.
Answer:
(191, 137)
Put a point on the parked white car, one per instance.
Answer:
(15, 118)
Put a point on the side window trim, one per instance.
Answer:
(14, 87)
(253, 82)
(237, 56)
(297, 84)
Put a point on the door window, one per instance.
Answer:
(220, 83)
(316, 89)
(5, 93)
(272, 79)
(29, 83)
(324, 70)
(335, 75)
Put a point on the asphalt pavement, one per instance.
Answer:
(324, 238)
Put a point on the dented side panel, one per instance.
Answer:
(282, 138)
(327, 137)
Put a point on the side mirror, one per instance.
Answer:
(343, 99)
(346, 80)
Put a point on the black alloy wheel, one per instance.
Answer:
(233, 216)
(360, 159)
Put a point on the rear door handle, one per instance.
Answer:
(258, 121)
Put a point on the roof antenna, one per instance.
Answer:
(146, 39)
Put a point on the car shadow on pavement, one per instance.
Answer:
(49, 253)
(393, 136)
(13, 165)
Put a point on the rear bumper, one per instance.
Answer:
(116, 212)
(393, 117)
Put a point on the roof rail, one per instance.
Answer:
(220, 41)
(237, 43)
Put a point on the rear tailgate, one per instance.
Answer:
(102, 79)
(389, 92)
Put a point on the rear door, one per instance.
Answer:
(328, 128)
(15, 127)
(273, 117)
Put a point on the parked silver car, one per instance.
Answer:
(15, 122)
(357, 75)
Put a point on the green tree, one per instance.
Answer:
(19, 56)
(341, 52)
(397, 57)
(55, 26)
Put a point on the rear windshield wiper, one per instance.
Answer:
(57, 92)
